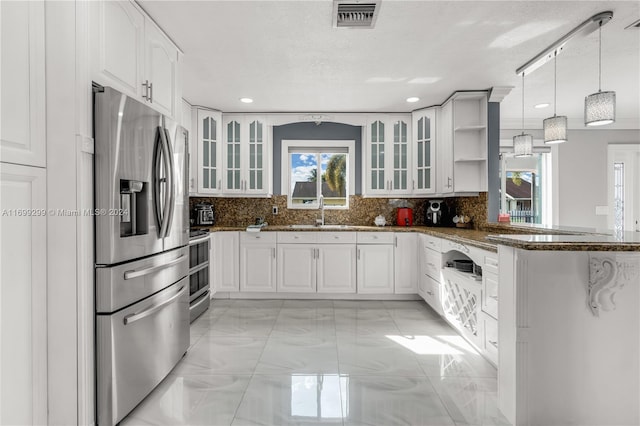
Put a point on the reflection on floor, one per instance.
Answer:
(274, 362)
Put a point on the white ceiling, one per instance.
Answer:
(288, 58)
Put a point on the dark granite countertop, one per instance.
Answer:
(629, 241)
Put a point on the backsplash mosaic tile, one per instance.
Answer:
(362, 211)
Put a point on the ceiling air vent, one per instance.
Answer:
(354, 14)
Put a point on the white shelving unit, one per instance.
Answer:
(470, 142)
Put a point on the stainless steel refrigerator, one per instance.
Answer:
(142, 256)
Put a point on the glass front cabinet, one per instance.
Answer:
(388, 156)
(424, 128)
(209, 170)
(245, 155)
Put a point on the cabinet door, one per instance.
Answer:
(406, 259)
(377, 181)
(375, 269)
(209, 175)
(118, 40)
(226, 261)
(258, 267)
(232, 155)
(401, 182)
(297, 268)
(22, 133)
(337, 268)
(424, 148)
(256, 173)
(193, 146)
(23, 295)
(444, 150)
(161, 68)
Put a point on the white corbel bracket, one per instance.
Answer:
(607, 275)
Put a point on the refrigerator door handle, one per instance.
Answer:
(153, 309)
(168, 181)
(157, 182)
(129, 275)
(171, 184)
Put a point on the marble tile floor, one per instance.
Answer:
(301, 362)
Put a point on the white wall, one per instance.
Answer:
(580, 171)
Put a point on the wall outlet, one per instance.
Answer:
(274, 209)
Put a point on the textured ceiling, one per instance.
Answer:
(288, 58)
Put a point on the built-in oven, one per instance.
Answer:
(199, 273)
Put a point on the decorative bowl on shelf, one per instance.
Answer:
(380, 220)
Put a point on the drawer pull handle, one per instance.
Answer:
(152, 309)
(430, 293)
(494, 343)
(128, 275)
(494, 298)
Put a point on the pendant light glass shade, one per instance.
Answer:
(555, 129)
(523, 145)
(600, 108)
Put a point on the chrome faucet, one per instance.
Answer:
(320, 222)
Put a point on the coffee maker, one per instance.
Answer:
(203, 214)
(437, 214)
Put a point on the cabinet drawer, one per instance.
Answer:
(258, 237)
(491, 338)
(337, 237)
(491, 263)
(431, 294)
(490, 294)
(432, 243)
(432, 264)
(375, 237)
(298, 237)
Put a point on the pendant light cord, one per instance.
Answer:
(555, 82)
(600, 57)
(523, 103)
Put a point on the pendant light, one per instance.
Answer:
(600, 107)
(555, 128)
(523, 144)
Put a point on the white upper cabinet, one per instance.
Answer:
(132, 55)
(161, 70)
(424, 147)
(208, 174)
(444, 150)
(22, 132)
(387, 170)
(246, 153)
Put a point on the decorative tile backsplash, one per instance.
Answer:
(362, 211)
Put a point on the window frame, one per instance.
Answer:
(311, 145)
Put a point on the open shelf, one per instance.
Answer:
(469, 160)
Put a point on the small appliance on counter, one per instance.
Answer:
(404, 216)
(203, 214)
(437, 214)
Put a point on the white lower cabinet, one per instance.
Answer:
(375, 256)
(23, 295)
(258, 262)
(297, 268)
(490, 341)
(226, 261)
(460, 295)
(336, 268)
(406, 259)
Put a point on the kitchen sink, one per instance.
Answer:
(304, 226)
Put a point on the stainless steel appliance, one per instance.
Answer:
(437, 214)
(199, 270)
(204, 214)
(142, 258)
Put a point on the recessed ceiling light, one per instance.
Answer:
(413, 99)
(540, 106)
(246, 100)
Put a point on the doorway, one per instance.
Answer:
(623, 187)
